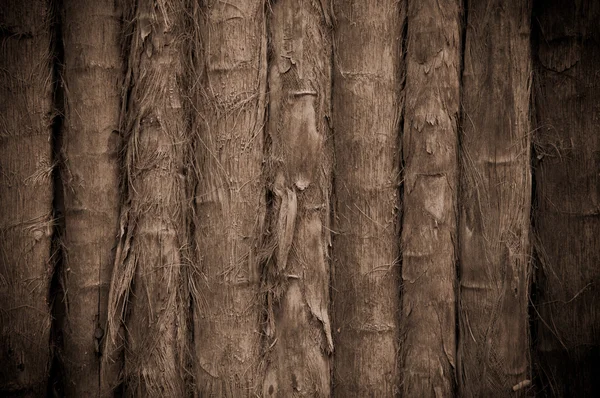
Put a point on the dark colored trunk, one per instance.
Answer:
(26, 217)
(147, 288)
(299, 329)
(229, 200)
(430, 143)
(92, 75)
(567, 197)
(494, 256)
(366, 117)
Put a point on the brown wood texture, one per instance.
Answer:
(146, 288)
(229, 197)
(299, 176)
(567, 196)
(92, 76)
(495, 200)
(366, 122)
(429, 231)
(279, 198)
(26, 217)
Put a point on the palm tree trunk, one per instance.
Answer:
(366, 116)
(494, 256)
(26, 219)
(229, 198)
(429, 231)
(147, 290)
(92, 75)
(299, 328)
(567, 145)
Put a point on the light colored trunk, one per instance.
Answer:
(230, 206)
(567, 222)
(366, 112)
(26, 218)
(147, 286)
(430, 143)
(494, 257)
(298, 328)
(92, 76)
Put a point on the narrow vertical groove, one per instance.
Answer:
(26, 219)
(332, 196)
(231, 101)
(298, 174)
(367, 107)
(430, 141)
(567, 214)
(56, 294)
(193, 59)
(493, 349)
(459, 194)
(91, 77)
(535, 257)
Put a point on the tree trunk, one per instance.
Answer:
(298, 327)
(493, 351)
(429, 232)
(147, 289)
(92, 75)
(567, 145)
(229, 198)
(26, 219)
(366, 110)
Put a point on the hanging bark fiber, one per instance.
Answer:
(493, 350)
(298, 328)
(429, 232)
(147, 287)
(92, 74)
(366, 110)
(567, 222)
(26, 219)
(230, 204)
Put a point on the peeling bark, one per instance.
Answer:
(26, 219)
(429, 231)
(567, 197)
(229, 197)
(366, 115)
(299, 328)
(147, 287)
(92, 75)
(493, 350)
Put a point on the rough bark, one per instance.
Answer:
(26, 219)
(366, 115)
(493, 350)
(430, 142)
(92, 73)
(299, 328)
(567, 197)
(147, 287)
(229, 196)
